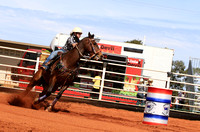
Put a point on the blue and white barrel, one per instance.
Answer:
(157, 106)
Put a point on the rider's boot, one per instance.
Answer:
(46, 65)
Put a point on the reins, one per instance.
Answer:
(79, 51)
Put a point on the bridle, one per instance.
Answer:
(93, 49)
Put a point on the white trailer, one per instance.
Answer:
(154, 58)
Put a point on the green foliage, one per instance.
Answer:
(178, 66)
(196, 71)
(135, 41)
(124, 93)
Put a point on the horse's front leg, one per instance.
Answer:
(52, 82)
(51, 106)
(36, 80)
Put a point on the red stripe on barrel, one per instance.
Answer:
(153, 123)
(159, 91)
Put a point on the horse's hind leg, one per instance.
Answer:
(57, 98)
(36, 80)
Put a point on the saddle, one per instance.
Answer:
(53, 60)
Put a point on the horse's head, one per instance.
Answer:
(92, 48)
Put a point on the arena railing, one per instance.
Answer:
(146, 86)
(101, 93)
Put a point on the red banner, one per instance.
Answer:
(133, 71)
(110, 48)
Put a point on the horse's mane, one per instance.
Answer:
(90, 36)
(82, 39)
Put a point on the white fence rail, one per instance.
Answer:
(108, 92)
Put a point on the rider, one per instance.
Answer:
(72, 41)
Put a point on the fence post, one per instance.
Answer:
(37, 65)
(102, 79)
(38, 62)
(168, 79)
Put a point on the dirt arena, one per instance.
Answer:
(76, 117)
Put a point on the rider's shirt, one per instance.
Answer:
(71, 40)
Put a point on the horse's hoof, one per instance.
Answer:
(36, 101)
(49, 109)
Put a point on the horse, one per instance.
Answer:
(63, 71)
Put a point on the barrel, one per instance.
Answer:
(157, 106)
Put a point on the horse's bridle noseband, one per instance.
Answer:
(93, 49)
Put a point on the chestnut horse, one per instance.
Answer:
(64, 70)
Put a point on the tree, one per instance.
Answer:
(196, 71)
(135, 41)
(178, 66)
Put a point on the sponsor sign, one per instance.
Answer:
(133, 71)
(110, 48)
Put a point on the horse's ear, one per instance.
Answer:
(90, 36)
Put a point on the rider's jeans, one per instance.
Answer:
(52, 55)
